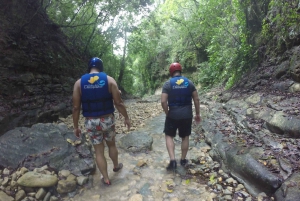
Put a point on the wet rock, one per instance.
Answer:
(136, 142)
(34, 179)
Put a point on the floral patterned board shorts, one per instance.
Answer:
(100, 128)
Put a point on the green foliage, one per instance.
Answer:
(94, 28)
(281, 24)
(208, 35)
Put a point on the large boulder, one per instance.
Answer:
(51, 144)
(294, 64)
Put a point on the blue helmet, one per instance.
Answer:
(95, 62)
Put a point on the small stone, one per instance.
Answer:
(71, 177)
(40, 194)
(261, 196)
(213, 195)
(96, 197)
(229, 188)
(219, 187)
(239, 187)
(5, 197)
(13, 184)
(31, 194)
(47, 197)
(227, 197)
(229, 180)
(245, 194)
(41, 169)
(20, 195)
(14, 176)
(227, 192)
(66, 186)
(81, 180)
(23, 170)
(53, 198)
(64, 173)
(6, 171)
(47, 172)
(141, 163)
(136, 197)
(248, 199)
(5, 181)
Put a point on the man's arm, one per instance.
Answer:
(118, 101)
(197, 105)
(164, 103)
(76, 107)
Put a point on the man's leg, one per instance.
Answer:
(113, 152)
(184, 147)
(101, 160)
(170, 146)
(184, 132)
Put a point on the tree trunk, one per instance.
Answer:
(122, 69)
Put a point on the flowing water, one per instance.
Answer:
(151, 181)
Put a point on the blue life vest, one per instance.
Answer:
(180, 93)
(95, 97)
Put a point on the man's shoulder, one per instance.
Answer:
(110, 78)
(167, 83)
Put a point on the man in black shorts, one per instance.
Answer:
(176, 101)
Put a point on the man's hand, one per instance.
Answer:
(197, 119)
(127, 122)
(77, 132)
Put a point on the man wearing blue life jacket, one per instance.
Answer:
(96, 94)
(176, 101)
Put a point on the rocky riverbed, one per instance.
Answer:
(143, 177)
(235, 154)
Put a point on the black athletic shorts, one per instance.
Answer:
(184, 127)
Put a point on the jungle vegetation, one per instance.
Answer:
(216, 41)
